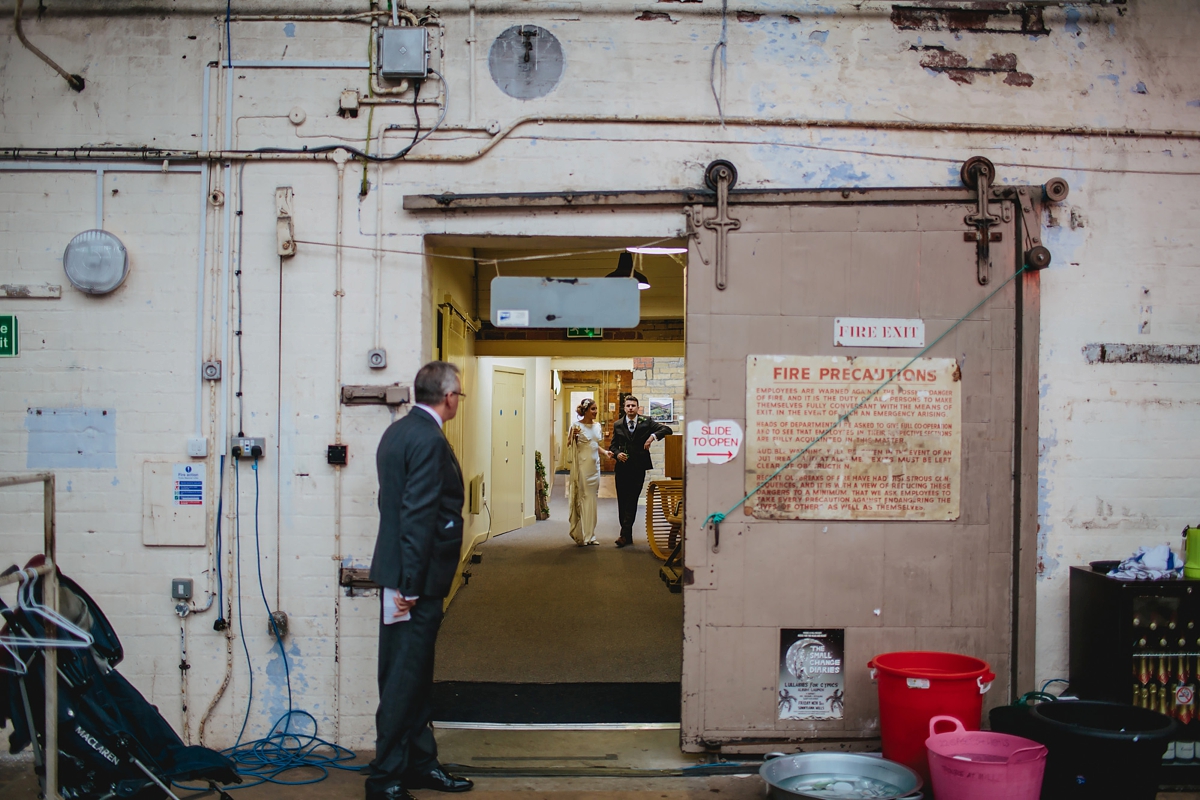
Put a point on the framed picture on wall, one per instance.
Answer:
(662, 409)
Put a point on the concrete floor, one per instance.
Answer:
(540, 765)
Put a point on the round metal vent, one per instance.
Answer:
(526, 62)
(96, 262)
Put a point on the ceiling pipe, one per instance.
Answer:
(74, 81)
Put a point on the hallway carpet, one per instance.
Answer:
(538, 609)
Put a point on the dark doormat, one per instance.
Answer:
(462, 701)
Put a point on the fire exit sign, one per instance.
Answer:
(585, 333)
(8, 336)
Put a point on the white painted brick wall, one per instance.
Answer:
(1119, 443)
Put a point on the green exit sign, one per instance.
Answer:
(585, 333)
(8, 336)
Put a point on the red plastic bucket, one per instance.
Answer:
(980, 765)
(915, 687)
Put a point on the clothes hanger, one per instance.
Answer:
(78, 638)
(18, 667)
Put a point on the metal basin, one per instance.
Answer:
(821, 776)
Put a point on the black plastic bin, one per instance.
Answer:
(1097, 750)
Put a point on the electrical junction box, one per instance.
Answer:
(403, 53)
(197, 447)
(247, 446)
(181, 588)
(475, 495)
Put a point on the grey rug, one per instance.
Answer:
(538, 609)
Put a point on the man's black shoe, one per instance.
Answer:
(393, 792)
(440, 781)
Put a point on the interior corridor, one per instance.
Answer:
(540, 610)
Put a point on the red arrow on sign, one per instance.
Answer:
(727, 454)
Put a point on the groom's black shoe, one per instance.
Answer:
(392, 792)
(439, 780)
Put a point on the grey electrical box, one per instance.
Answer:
(403, 53)
(181, 588)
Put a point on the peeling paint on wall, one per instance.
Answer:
(1046, 564)
(1142, 353)
(71, 438)
(958, 67)
(1015, 19)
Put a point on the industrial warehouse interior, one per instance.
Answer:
(607, 399)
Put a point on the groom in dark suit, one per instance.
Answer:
(632, 437)
(416, 555)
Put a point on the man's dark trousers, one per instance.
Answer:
(629, 481)
(405, 706)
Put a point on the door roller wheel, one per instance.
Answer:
(972, 168)
(713, 172)
(1037, 257)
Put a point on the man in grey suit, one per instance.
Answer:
(416, 555)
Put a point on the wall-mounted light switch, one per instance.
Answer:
(181, 588)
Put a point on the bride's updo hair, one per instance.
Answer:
(585, 405)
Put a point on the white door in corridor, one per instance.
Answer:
(508, 451)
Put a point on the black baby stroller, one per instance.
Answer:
(112, 743)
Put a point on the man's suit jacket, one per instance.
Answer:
(634, 444)
(420, 508)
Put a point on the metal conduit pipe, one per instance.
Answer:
(339, 293)
(74, 81)
(144, 154)
(471, 59)
(273, 10)
(919, 127)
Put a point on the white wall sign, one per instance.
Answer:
(713, 442)
(512, 318)
(866, 332)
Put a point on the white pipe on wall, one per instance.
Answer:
(471, 38)
(342, 158)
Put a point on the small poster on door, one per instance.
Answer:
(812, 678)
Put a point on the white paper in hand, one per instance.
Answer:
(391, 614)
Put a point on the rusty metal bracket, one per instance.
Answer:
(393, 395)
(720, 176)
(356, 578)
(978, 173)
(695, 217)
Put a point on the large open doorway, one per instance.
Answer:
(921, 536)
(540, 630)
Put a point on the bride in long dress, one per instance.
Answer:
(583, 486)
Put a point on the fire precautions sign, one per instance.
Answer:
(897, 457)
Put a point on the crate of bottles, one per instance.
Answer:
(1138, 642)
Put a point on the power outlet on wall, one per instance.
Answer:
(247, 446)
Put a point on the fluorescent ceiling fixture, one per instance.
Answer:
(656, 251)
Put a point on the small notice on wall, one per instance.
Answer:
(812, 680)
(898, 456)
(189, 484)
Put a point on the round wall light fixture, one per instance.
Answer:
(96, 262)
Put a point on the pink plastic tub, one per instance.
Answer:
(980, 765)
